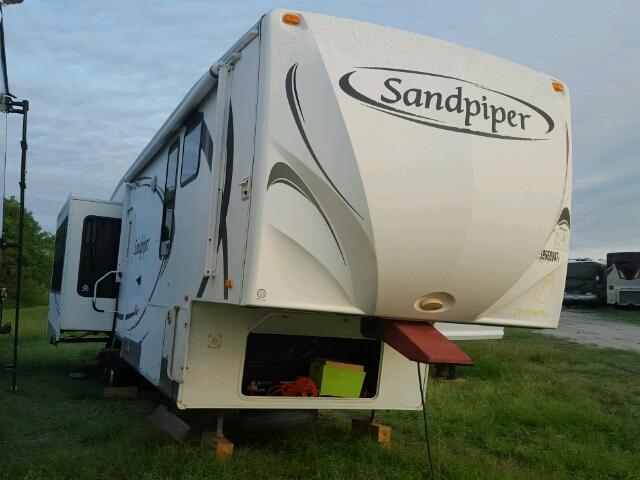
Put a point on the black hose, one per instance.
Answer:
(423, 401)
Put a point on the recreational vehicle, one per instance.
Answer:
(623, 278)
(585, 282)
(323, 195)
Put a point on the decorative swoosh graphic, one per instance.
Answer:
(207, 143)
(350, 234)
(296, 111)
(566, 166)
(565, 218)
(224, 209)
(349, 89)
(163, 266)
(203, 285)
(283, 173)
(121, 316)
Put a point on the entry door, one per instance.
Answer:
(125, 300)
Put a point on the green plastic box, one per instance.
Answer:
(336, 379)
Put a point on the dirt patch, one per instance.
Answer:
(593, 327)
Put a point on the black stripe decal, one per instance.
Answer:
(565, 218)
(207, 143)
(160, 194)
(295, 91)
(291, 87)
(226, 195)
(284, 174)
(566, 166)
(120, 316)
(203, 285)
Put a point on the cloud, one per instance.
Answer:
(103, 76)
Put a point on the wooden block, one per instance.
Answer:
(376, 430)
(169, 423)
(222, 446)
(120, 392)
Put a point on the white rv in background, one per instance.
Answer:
(623, 278)
(328, 189)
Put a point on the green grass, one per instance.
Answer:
(533, 407)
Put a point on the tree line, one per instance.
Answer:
(38, 257)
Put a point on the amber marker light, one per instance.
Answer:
(291, 19)
(557, 86)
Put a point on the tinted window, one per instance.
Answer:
(58, 256)
(166, 235)
(191, 153)
(98, 255)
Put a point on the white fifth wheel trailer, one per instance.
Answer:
(328, 189)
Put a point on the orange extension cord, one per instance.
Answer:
(302, 387)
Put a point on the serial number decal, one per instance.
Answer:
(549, 256)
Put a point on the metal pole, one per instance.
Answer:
(219, 425)
(23, 186)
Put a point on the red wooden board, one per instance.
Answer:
(421, 342)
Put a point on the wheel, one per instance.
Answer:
(275, 420)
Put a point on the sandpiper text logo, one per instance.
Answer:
(446, 102)
(140, 247)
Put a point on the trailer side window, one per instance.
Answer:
(191, 152)
(166, 234)
(58, 256)
(98, 256)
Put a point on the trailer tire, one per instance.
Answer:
(275, 420)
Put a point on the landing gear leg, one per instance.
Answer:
(222, 447)
(373, 428)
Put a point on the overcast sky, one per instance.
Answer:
(103, 76)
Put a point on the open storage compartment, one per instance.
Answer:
(272, 359)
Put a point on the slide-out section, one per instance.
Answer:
(83, 283)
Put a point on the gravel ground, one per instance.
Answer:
(601, 327)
